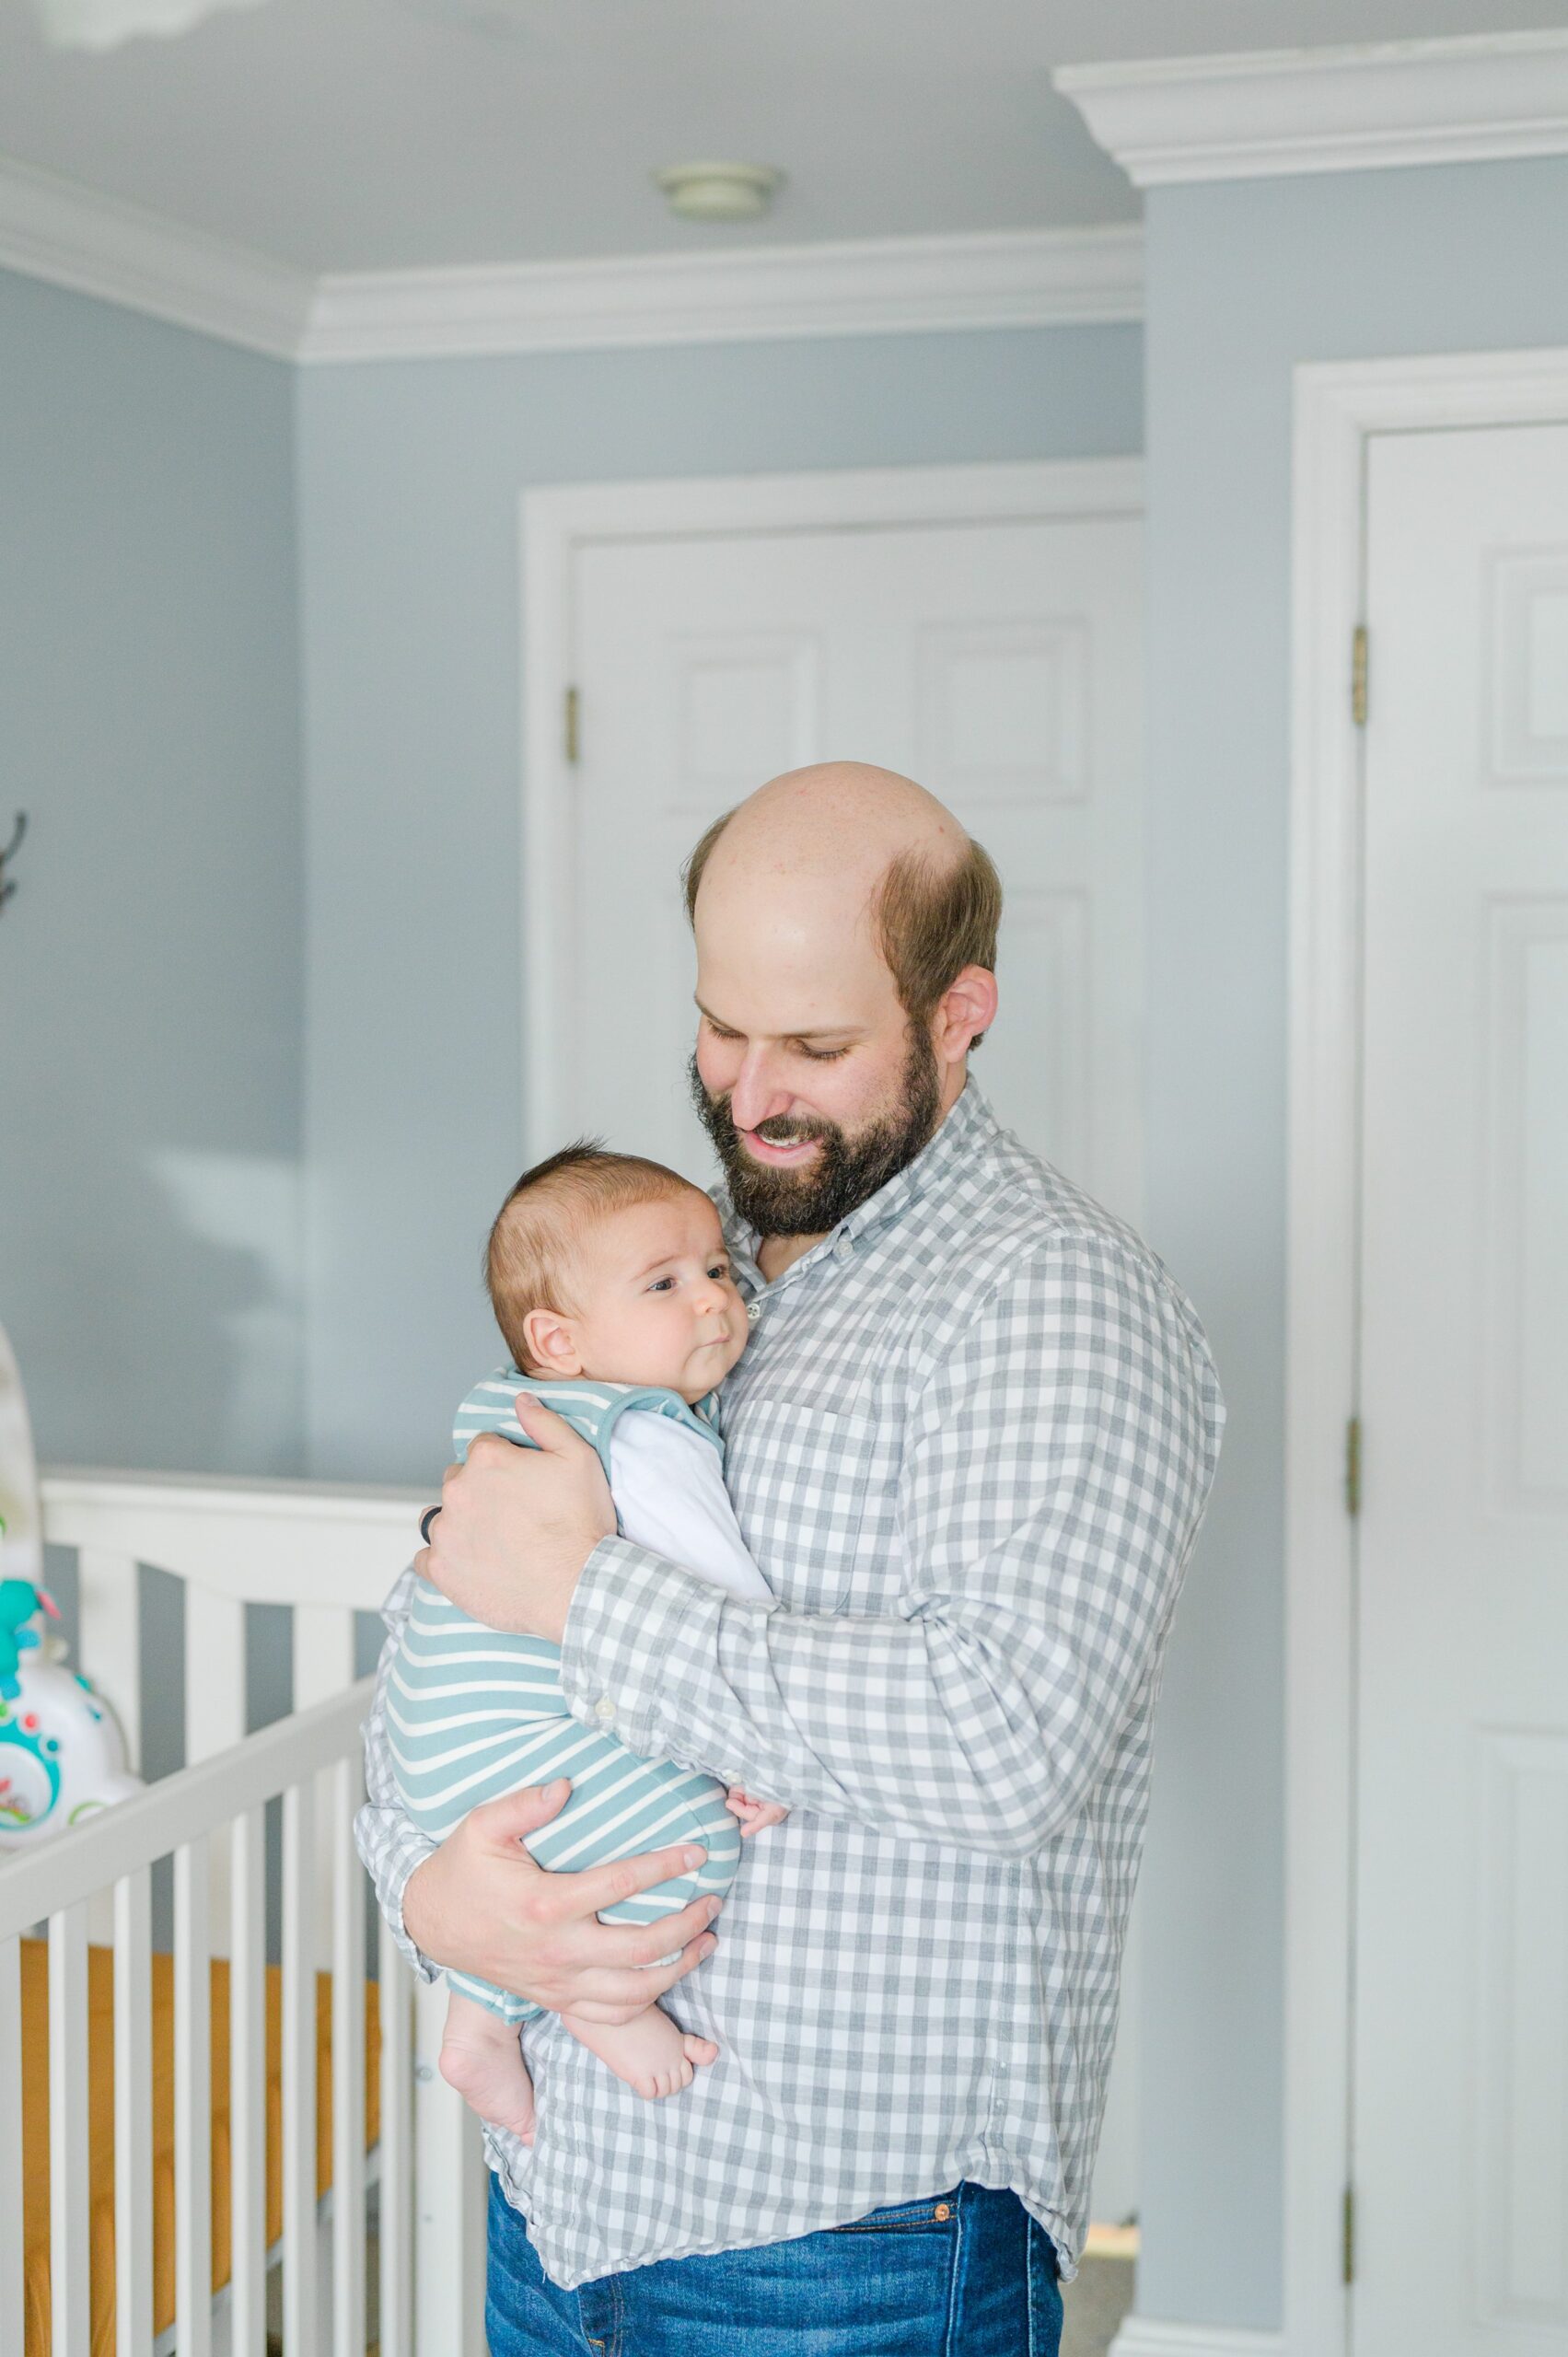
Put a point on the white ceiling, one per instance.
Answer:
(367, 134)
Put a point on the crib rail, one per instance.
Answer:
(324, 1549)
(311, 1763)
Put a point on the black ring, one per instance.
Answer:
(425, 1520)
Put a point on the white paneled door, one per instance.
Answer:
(1460, 2075)
(998, 663)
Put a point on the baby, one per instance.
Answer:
(611, 1285)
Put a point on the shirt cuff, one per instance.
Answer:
(391, 1877)
(639, 1631)
(414, 1956)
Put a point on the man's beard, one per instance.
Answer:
(846, 1173)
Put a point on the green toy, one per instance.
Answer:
(21, 1602)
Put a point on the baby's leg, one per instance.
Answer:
(651, 2053)
(481, 2057)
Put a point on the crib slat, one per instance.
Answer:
(348, 2067)
(323, 1653)
(395, 2002)
(192, 2101)
(215, 1715)
(134, 2115)
(299, 2072)
(323, 1665)
(12, 2276)
(214, 1673)
(247, 2085)
(451, 2188)
(69, 2226)
(109, 1636)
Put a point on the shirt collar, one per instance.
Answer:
(969, 1123)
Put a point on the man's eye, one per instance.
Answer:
(823, 1055)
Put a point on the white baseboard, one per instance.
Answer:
(1146, 2337)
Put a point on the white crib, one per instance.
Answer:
(326, 1552)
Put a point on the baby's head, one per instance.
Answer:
(605, 1265)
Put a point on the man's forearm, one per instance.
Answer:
(962, 1730)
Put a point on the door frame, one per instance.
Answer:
(1336, 407)
(554, 524)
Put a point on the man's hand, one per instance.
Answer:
(482, 1905)
(516, 1525)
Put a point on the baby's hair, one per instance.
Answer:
(553, 1206)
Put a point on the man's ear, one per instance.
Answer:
(966, 1009)
(553, 1342)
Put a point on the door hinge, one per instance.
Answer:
(1353, 1465)
(569, 725)
(1358, 676)
(1349, 2235)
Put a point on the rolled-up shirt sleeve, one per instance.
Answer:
(1056, 1465)
(388, 1842)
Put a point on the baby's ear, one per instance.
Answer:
(553, 1342)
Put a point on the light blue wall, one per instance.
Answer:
(1245, 280)
(411, 477)
(150, 964)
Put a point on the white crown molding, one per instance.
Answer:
(53, 229)
(1273, 112)
(1008, 278)
(1144, 2337)
(72, 237)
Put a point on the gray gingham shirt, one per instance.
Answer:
(970, 1445)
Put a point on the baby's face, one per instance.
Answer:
(656, 1302)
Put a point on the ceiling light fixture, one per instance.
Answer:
(719, 191)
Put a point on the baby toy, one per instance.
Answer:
(20, 1603)
(62, 1754)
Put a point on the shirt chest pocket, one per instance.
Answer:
(816, 1494)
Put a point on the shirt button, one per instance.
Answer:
(604, 1708)
(753, 1311)
(843, 1248)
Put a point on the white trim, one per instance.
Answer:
(1336, 408)
(71, 236)
(873, 286)
(1261, 113)
(554, 524)
(1146, 2337)
(257, 1541)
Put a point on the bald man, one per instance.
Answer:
(970, 1444)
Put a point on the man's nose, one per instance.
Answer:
(759, 1095)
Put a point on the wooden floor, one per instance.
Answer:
(1095, 2303)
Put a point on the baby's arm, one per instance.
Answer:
(670, 1495)
(668, 1480)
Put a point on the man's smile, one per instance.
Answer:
(781, 1156)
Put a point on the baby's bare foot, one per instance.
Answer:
(650, 2053)
(486, 2066)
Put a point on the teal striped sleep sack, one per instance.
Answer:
(473, 1713)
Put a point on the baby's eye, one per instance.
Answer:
(720, 1269)
(661, 1284)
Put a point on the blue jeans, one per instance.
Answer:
(966, 2273)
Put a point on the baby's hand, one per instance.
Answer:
(753, 1814)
